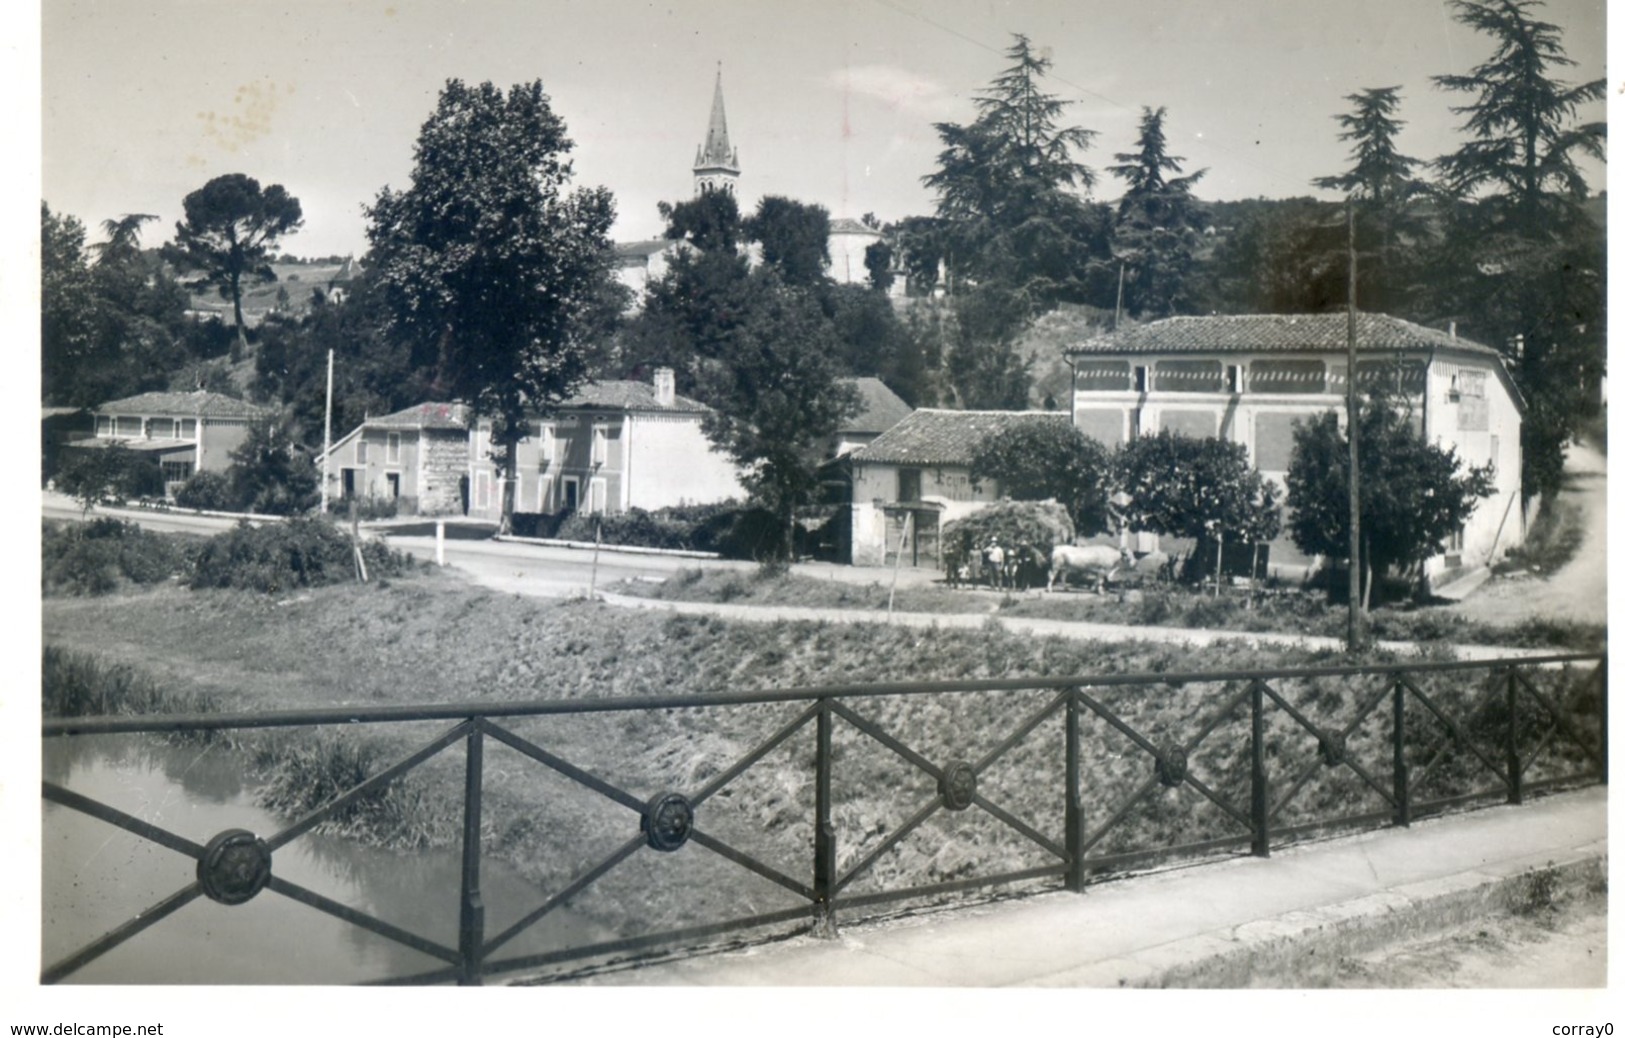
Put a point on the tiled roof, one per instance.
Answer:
(641, 249)
(425, 416)
(1274, 333)
(934, 437)
(882, 408)
(625, 395)
(199, 402)
(847, 225)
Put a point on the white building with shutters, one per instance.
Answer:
(1251, 378)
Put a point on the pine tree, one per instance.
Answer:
(1158, 221)
(1521, 263)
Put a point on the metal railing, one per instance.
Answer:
(1308, 745)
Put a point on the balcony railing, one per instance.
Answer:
(1071, 778)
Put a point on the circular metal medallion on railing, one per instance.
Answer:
(957, 785)
(235, 866)
(667, 821)
(1333, 749)
(1171, 766)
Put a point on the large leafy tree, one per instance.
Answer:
(1202, 489)
(493, 271)
(1045, 459)
(1158, 223)
(1413, 495)
(231, 228)
(1521, 262)
(710, 221)
(794, 237)
(112, 328)
(775, 393)
(69, 309)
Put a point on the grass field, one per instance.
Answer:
(1157, 605)
(432, 638)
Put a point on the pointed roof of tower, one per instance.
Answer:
(716, 151)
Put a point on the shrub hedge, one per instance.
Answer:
(280, 556)
(104, 554)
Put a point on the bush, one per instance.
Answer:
(293, 554)
(115, 471)
(207, 491)
(95, 558)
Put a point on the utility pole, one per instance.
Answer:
(1356, 636)
(327, 430)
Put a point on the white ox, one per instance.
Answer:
(1097, 561)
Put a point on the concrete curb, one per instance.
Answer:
(1298, 942)
(617, 549)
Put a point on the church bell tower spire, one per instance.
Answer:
(716, 163)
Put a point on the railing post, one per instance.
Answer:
(824, 828)
(1075, 832)
(1402, 775)
(471, 918)
(1514, 765)
(1261, 788)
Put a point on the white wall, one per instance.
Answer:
(669, 461)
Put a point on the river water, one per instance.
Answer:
(96, 876)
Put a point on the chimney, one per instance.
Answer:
(1452, 329)
(665, 387)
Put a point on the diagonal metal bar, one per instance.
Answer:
(1014, 738)
(1220, 802)
(1315, 764)
(581, 883)
(1293, 712)
(746, 762)
(740, 858)
(306, 896)
(1540, 747)
(113, 816)
(1021, 827)
(564, 767)
(1128, 805)
(343, 800)
(1557, 715)
(891, 841)
(117, 936)
(1365, 776)
(1455, 730)
(1219, 717)
(880, 735)
(1112, 719)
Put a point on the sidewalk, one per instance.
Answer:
(1197, 926)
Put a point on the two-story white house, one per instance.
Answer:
(1251, 378)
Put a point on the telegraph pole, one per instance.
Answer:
(327, 430)
(1356, 635)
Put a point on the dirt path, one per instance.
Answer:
(1578, 591)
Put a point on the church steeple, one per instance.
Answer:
(716, 162)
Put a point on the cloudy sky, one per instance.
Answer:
(830, 102)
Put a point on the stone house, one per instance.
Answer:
(919, 471)
(417, 457)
